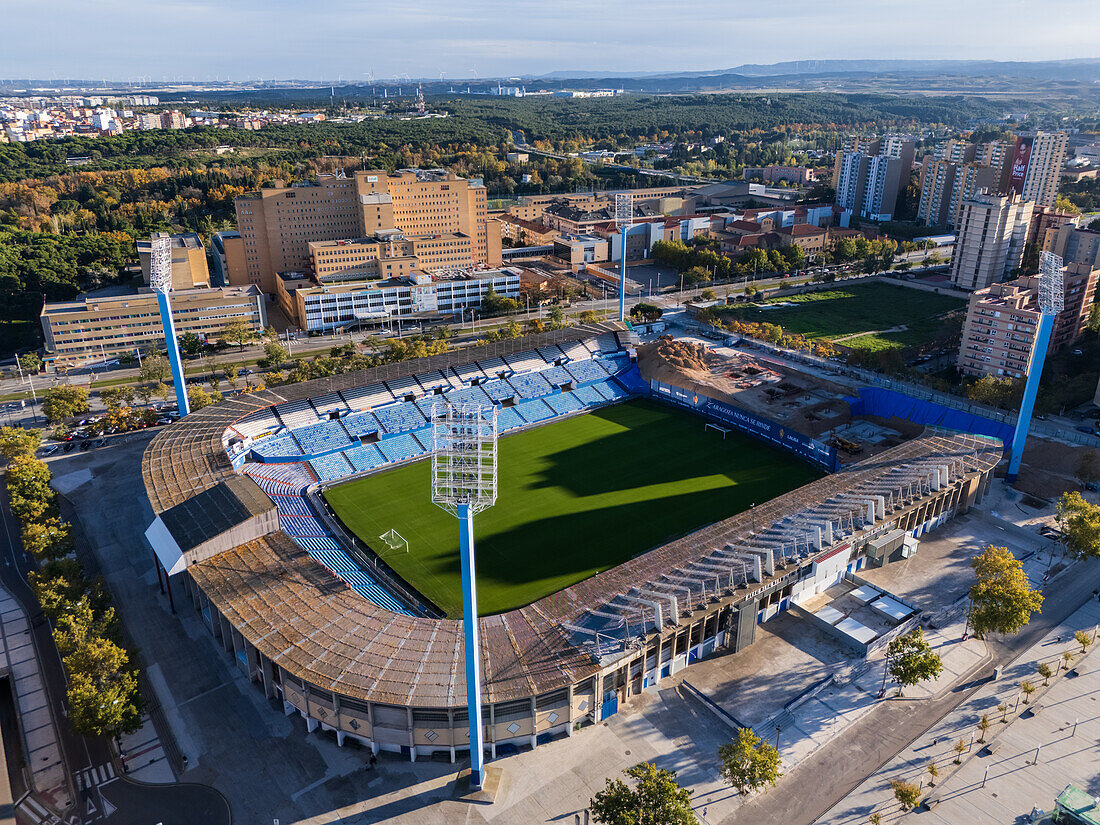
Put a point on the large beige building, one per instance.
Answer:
(189, 269)
(992, 233)
(388, 254)
(91, 328)
(277, 225)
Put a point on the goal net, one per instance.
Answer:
(395, 541)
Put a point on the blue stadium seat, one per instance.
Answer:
(400, 448)
(532, 411)
(282, 445)
(557, 376)
(365, 457)
(588, 396)
(508, 419)
(499, 390)
(531, 385)
(400, 418)
(563, 403)
(361, 424)
(586, 371)
(331, 467)
(322, 437)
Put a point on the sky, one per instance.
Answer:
(352, 41)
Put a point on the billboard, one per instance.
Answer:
(1021, 159)
(768, 430)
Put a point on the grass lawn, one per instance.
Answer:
(847, 310)
(574, 497)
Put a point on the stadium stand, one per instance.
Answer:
(278, 447)
(575, 351)
(508, 419)
(296, 414)
(499, 390)
(431, 381)
(404, 387)
(607, 343)
(365, 457)
(586, 371)
(468, 395)
(551, 354)
(588, 396)
(525, 362)
(365, 398)
(331, 467)
(557, 376)
(399, 418)
(495, 367)
(400, 448)
(532, 385)
(468, 373)
(258, 424)
(322, 437)
(360, 424)
(632, 381)
(329, 403)
(564, 403)
(532, 411)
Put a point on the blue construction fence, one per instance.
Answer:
(888, 403)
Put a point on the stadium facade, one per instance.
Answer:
(321, 625)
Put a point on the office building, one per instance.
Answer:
(277, 225)
(227, 253)
(90, 328)
(420, 294)
(189, 269)
(992, 232)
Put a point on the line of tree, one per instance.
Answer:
(103, 694)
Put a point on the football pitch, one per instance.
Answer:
(887, 315)
(574, 497)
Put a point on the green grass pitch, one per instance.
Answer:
(848, 310)
(574, 497)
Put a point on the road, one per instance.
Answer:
(103, 797)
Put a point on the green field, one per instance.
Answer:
(574, 497)
(861, 308)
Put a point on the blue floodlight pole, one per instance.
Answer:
(473, 645)
(622, 277)
(1051, 300)
(1031, 389)
(160, 279)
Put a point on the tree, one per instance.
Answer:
(103, 692)
(960, 749)
(875, 818)
(238, 331)
(983, 726)
(1004, 712)
(16, 441)
(933, 773)
(62, 403)
(708, 295)
(1082, 638)
(748, 763)
(1027, 689)
(117, 397)
(1045, 671)
(30, 362)
(155, 369)
(655, 799)
(1093, 323)
(190, 343)
(557, 318)
(906, 793)
(275, 353)
(911, 659)
(1080, 522)
(646, 312)
(1067, 657)
(47, 539)
(197, 398)
(1002, 600)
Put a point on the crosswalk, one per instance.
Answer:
(89, 778)
(34, 811)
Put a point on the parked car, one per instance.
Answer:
(1084, 428)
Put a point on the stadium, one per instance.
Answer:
(645, 521)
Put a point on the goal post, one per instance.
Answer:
(395, 541)
(711, 426)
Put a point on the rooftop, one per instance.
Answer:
(83, 303)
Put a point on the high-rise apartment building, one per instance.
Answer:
(868, 185)
(854, 143)
(936, 187)
(1035, 166)
(277, 225)
(1075, 246)
(970, 179)
(904, 148)
(955, 151)
(992, 232)
(998, 335)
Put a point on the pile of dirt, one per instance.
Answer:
(668, 359)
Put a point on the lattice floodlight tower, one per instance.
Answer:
(624, 218)
(160, 279)
(464, 482)
(1052, 300)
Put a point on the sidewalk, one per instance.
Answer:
(937, 744)
(41, 751)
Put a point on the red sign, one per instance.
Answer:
(1021, 158)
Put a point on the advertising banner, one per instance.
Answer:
(1021, 159)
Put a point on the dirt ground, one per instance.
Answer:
(1048, 467)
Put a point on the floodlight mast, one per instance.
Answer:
(464, 482)
(624, 217)
(1052, 300)
(160, 279)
